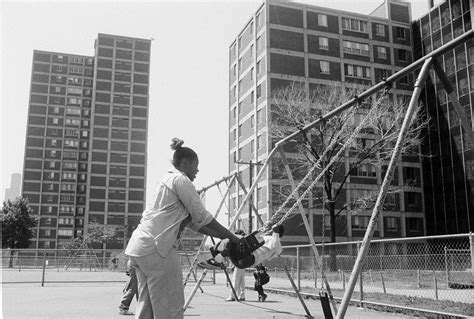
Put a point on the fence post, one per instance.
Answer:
(316, 278)
(446, 265)
(343, 280)
(19, 261)
(418, 278)
(471, 244)
(361, 285)
(44, 267)
(435, 285)
(298, 275)
(383, 283)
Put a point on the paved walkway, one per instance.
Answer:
(100, 300)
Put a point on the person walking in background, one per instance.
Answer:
(238, 278)
(152, 246)
(130, 290)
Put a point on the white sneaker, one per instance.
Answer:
(125, 312)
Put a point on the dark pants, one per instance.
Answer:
(130, 290)
(259, 288)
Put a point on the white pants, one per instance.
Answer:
(160, 286)
(238, 281)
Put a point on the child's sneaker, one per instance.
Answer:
(211, 264)
(264, 297)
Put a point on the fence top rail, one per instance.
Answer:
(4, 250)
(409, 239)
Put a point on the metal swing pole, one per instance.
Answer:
(252, 188)
(223, 179)
(308, 228)
(251, 204)
(297, 293)
(205, 237)
(193, 292)
(384, 187)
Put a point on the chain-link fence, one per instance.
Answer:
(433, 273)
(72, 265)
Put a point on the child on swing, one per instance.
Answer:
(262, 247)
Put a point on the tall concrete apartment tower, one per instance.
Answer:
(449, 172)
(288, 41)
(85, 153)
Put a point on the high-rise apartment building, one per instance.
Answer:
(85, 151)
(449, 171)
(14, 190)
(284, 42)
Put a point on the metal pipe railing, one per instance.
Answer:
(384, 188)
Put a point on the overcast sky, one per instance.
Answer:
(188, 68)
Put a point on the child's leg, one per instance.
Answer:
(258, 288)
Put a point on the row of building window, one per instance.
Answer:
(347, 24)
(236, 156)
(360, 26)
(391, 223)
(73, 80)
(64, 70)
(260, 115)
(67, 175)
(68, 143)
(72, 90)
(363, 49)
(438, 22)
(73, 122)
(350, 47)
(63, 210)
(68, 132)
(75, 59)
(68, 154)
(259, 198)
(447, 37)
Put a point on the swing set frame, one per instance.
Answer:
(424, 64)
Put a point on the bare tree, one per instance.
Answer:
(370, 149)
(96, 235)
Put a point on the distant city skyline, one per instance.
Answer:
(188, 76)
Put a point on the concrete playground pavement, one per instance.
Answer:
(100, 300)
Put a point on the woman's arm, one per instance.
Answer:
(215, 229)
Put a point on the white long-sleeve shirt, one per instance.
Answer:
(271, 249)
(176, 204)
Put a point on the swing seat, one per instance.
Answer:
(323, 296)
(253, 244)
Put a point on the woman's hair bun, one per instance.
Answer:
(176, 143)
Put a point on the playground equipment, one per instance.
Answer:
(425, 63)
